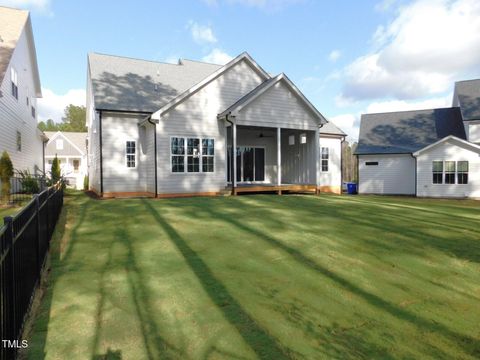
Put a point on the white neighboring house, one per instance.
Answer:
(71, 151)
(194, 128)
(426, 153)
(19, 90)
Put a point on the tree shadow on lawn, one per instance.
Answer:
(398, 220)
(260, 341)
(470, 344)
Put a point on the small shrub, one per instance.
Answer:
(85, 183)
(6, 173)
(29, 183)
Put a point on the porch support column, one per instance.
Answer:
(318, 163)
(279, 159)
(234, 157)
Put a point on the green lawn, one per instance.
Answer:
(263, 276)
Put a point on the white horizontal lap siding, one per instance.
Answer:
(332, 177)
(117, 129)
(150, 158)
(15, 115)
(93, 124)
(394, 174)
(197, 117)
(448, 152)
(277, 107)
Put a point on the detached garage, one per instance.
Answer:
(387, 142)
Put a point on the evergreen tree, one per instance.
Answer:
(55, 171)
(6, 172)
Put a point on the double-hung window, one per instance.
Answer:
(192, 155)
(14, 82)
(19, 141)
(130, 154)
(449, 172)
(325, 158)
(437, 172)
(208, 155)
(177, 149)
(462, 172)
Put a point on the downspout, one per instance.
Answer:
(232, 153)
(415, 174)
(341, 164)
(155, 151)
(101, 151)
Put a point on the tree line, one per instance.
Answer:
(72, 120)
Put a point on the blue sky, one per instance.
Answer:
(348, 57)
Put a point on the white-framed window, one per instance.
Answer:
(192, 154)
(59, 144)
(34, 112)
(19, 141)
(130, 153)
(462, 172)
(208, 155)
(325, 158)
(14, 82)
(177, 151)
(449, 172)
(437, 172)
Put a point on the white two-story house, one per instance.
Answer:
(19, 90)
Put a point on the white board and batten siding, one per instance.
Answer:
(16, 115)
(277, 107)
(196, 117)
(394, 174)
(448, 151)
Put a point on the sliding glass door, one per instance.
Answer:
(250, 164)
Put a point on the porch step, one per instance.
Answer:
(225, 192)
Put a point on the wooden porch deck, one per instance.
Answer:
(279, 189)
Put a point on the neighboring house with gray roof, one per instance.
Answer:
(71, 151)
(190, 128)
(429, 152)
(19, 90)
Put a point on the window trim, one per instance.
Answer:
(135, 154)
(327, 159)
(455, 173)
(185, 155)
(14, 82)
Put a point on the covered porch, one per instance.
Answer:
(271, 159)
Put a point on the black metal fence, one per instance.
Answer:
(23, 188)
(24, 243)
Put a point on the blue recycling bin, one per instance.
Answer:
(351, 188)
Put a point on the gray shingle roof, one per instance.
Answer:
(331, 128)
(77, 138)
(468, 94)
(12, 22)
(127, 84)
(407, 131)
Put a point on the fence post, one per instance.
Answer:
(10, 243)
(37, 237)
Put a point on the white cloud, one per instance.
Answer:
(217, 56)
(334, 55)
(52, 105)
(201, 34)
(348, 123)
(420, 53)
(172, 59)
(38, 5)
